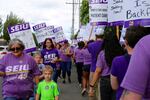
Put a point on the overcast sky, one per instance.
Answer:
(53, 12)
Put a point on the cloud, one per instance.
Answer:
(53, 12)
(47, 4)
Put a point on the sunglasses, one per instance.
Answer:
(16, 49)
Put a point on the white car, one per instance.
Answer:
(3, 51)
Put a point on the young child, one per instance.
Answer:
(47, 89)
(38, 59)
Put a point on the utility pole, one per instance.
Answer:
(79, 15)
(73, 13)
(72, 17)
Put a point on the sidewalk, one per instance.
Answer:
(72, 91)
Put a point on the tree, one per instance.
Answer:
(11, 20)
(1, 26)
(74, 36)
(84, 12)
(84, 16)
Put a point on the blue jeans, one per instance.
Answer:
(55, 75)
(66, 68)
(14, 98)
(31, 98)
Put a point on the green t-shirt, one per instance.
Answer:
(48, 91)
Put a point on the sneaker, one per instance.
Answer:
(83, 92)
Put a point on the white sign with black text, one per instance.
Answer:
(98, 11)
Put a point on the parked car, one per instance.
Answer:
(3, 51)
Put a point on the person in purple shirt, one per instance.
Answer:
(137, 78)
(18, 70)
(110, 49)
(78, 56)
(50, 56)
(94, 49)
(58, 64)
(66, 55)
(120, 64)
(87, 60)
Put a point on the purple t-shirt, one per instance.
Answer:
(94, 49)
(87, 58)
(20, 71)
(118, 69)
(78, 55)
(137, 78)
(48, 56)
(58, 64)
(101, 62)
(64, 57)
(60, 53)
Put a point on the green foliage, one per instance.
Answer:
(84, 12)
(11, 20)
(74, 36)
(1, 25)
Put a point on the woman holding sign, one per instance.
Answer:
(66, 55)
(18, 70)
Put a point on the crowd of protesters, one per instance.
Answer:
(35, 78)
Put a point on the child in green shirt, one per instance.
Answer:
(47, 89)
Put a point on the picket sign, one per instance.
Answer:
(98, 12)
(137, 12)
(24, 33)
(44, 33)
(59, 34)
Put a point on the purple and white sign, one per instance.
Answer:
(43, 33)
(24, 33)
(79, 39)
(18, 27)
(98, 29)
(59, 34)
(39, 26)
(58, 29)
(116, 13)
(137, 12)
(98, 12)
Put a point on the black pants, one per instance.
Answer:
(105, 88)
(79, 66)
